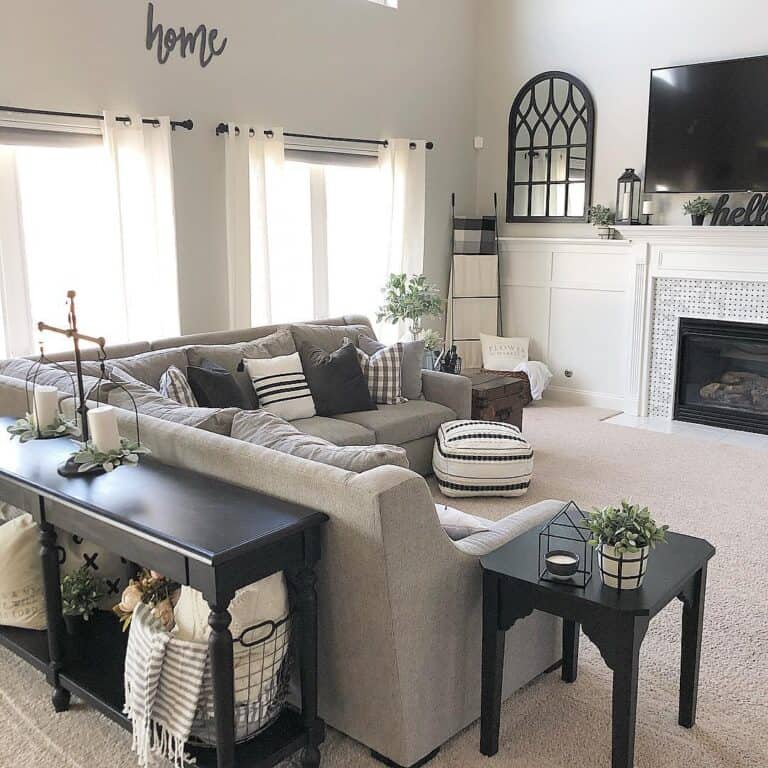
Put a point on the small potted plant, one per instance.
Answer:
(409, 299)
(602, 217)
(624, 537)
(433, 345)
(698, 209)
(81, 593)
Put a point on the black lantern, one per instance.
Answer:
(565, 555)
(628, 198)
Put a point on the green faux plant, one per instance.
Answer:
(628, 527)
(699, 206)
(433, 341)
(88, 457)
(26, 429)
(601, 216)
(81, 593)
(409, 299)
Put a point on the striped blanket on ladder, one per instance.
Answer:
(163, 680)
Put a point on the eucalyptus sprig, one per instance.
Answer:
(26, 429)
(89, 457)
(628, 527)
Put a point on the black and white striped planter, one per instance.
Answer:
(622, 571)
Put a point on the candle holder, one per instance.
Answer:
(564, 553)
(88, 459)
(648, 217)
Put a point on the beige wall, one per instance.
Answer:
(612, 46)
(345, 67)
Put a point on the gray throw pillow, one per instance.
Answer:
(229, 357)
(327, 337)
(151, 403)
(52, 376)
(270, 431)
(459, 525)
(410, 373)
(149, 367)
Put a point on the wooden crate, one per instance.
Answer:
(499, 396)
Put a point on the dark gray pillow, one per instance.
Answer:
(335, 380)
(266, 429)
(215, 387)
(410, 373)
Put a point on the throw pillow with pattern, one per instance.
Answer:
(281, 386)
(174, 386)
(383, 372)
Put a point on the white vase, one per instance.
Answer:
(622, 571)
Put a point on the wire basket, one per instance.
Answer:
(262, 667)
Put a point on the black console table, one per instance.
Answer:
(199, 531)
(615, 621)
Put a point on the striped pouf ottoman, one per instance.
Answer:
(482, 458)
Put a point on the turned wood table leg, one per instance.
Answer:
(304, 583)
(223, 679)
(56, 636)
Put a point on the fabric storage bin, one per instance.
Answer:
(482, 458)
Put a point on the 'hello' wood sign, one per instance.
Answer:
(203, 42)
(754, 214)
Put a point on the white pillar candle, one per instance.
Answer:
(102, 425)
(648, 209)
(625, 212)
(46, 406)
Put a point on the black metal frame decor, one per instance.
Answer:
(628, 198)
(560, 533)
(556, 119)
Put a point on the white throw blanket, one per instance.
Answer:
(163, 679)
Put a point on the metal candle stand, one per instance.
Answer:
(560, 533)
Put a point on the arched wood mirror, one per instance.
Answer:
(551, 137)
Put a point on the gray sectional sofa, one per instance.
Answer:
(400, 603)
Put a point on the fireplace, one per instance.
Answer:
(722, 374)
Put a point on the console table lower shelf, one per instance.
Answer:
(97, 679)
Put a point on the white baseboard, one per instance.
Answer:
(585, 397)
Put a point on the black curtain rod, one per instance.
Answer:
(224, 128)
(188, 124)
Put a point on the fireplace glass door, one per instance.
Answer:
(722, 374)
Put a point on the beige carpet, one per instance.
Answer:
(703, 488)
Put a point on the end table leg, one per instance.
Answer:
(492, 667)
(571, 630)
(52, 589)
(223, 679)
(690, 656)
(631, 632)
(304, 583)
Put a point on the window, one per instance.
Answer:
(335, 262)
(59, 231)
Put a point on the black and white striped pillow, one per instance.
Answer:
(174, 386)
(382, 371)
(281, 386)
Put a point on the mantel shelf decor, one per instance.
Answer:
(101, 449)
(565, 556)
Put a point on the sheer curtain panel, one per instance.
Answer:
(142, 174)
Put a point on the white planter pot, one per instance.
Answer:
(622, 571)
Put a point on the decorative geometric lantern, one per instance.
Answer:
(564, 552)
(628, 200)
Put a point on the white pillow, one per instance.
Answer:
(22, 603)
(281, 386)
(503, 354)
(458, 525)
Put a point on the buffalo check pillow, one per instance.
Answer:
(281, 386)
(382, 371)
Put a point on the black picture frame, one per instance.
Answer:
(585, 113)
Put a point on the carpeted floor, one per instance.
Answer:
(706, 489)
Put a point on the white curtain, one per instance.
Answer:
(142, 171)
(256, 218)
(403, 164)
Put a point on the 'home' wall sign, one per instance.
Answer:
(755, 214)
(165, 40)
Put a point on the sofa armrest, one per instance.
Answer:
(450, 390)
(510, 527)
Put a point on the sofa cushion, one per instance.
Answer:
(337, 431)
(175, 386)
(270, 431)
(152, 403)
(230, 357)
(398, 424)
(413, 359)
(458, 525)
(49, 375)
(215, 387)
(150, 366)
(336, 380)
(327, 337)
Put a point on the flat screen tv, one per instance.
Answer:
(708, 127)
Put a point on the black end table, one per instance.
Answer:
(615, 621)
